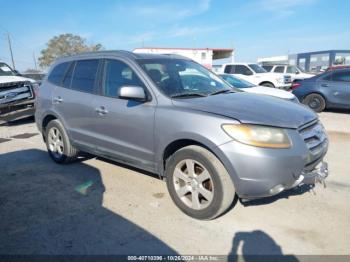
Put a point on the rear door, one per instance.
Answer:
(73, 100)
(123, 129)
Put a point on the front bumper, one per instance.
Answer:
(262, 172)
(17, 110)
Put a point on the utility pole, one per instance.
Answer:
(10, 47)
(34, 58)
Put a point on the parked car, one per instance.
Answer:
(263, 90)
(328, 90)
(257, 75)
(209, 140)
(16, 95)
(295, 72)
(334, 67)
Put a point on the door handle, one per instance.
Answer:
(101, 110)
(57, 100)
(325, 85)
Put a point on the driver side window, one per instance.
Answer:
(118, 74)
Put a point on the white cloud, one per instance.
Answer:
(172, 11)
(280, 8)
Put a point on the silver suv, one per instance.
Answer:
(171, 116)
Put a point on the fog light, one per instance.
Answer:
(276, 189)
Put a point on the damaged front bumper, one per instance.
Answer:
(319, 174)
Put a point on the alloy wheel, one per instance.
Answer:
(193, 184)
(55, 142)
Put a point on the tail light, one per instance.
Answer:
(295, 86)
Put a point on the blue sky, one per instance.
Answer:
(255, 28)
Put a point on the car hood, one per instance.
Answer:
(9, 79)
(269, 91)
(251, 109)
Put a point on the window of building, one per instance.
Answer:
(85, 75)
(57, 73)
(325, 58)
(313, 59)
(204, 55)
(118, 74)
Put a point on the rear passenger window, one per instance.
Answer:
(56, 75)
(68, 78)
(279, 69)
(85, 72)
(119, 74)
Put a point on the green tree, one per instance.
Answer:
(63, 45)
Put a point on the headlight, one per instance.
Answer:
(260, 136)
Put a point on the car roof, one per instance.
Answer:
(127, 54)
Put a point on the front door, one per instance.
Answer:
(124, 129)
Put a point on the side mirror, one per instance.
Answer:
(132, 93)
(297, 72)
(248, 73)
(17, 73)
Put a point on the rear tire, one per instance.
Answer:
(198, 183)
(58, 144)
(315, 101)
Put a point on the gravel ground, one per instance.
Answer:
(99, 207)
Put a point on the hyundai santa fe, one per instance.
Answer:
(209, 141)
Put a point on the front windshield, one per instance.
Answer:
(257, 69)
(5, 70)
(236, 82)
(180, 78)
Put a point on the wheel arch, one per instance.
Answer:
(266, 82)
(179, 143)
(316, 92)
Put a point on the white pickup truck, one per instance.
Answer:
(16, 94)
(257, 75)
(295, 72)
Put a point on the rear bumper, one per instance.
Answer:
(262, 172)
(284, 86)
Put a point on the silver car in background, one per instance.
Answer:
(171, 116)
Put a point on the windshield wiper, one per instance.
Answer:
(222, 92)
(188, 95)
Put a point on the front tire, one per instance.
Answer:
(315, 101)
(198, 183)
(58, 144)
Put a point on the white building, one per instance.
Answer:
(204, 56)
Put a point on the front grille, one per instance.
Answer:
(15, 92)
(314, 136)
(287, 79)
